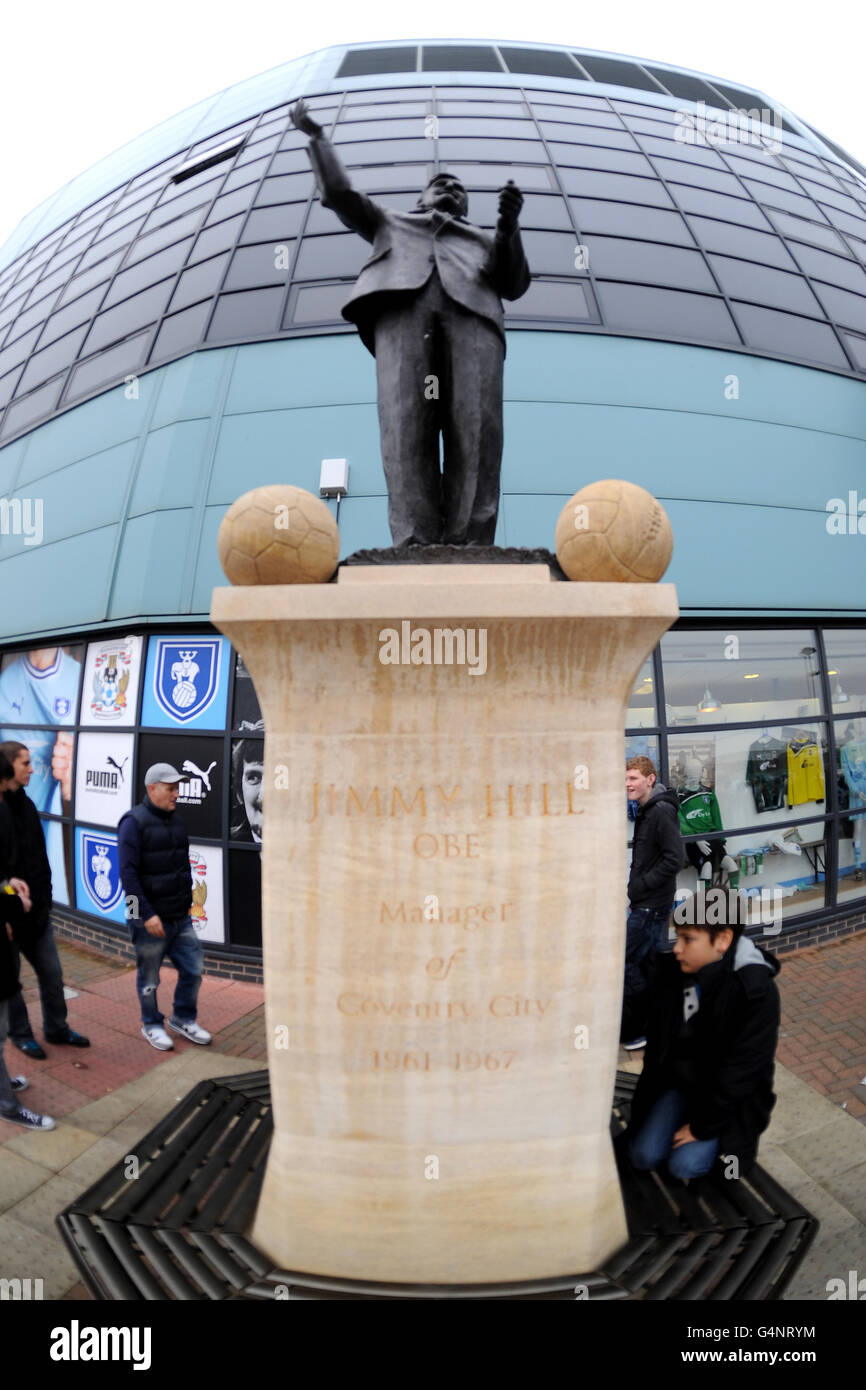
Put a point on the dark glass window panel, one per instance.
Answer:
(148, 272)
(547, 212)
(199, 282)
(247, 173)
(347, 131)
(816, 176)
(627, 219)
(467, 126)
(198, 198)
(245, 897)
(14, 353)
(843, 220)
(44, 364)
(246, 314)
(683, 150)
(681, 84)
(764, 171)
(253, 266)
(174, 190)
(288, 189)
(745, 280)
(847, 274)
(383, 152)
(497, 109)
(540, 62)
(562, 140)
(498, 151)
(552, 299)
(716, 205)
(698, 176)
(383, 110)
(317, 303)
(550, 253)
(381, 178)
(122, 219)
(274, 224)
(613, 161)
(126, 317)
(30, 318)
(666, 313)
(325, 257)
(788, 336)
(164, 236)
(731, 240)
(857, 349)
(49, 284)
(79, 311)
(617, 73)
(593, 183)
(641, 110)
(537, 177)
(290, 162)
(257, 150)
(647, 261)
(219, 238)
(7, 385)
(765, 193)
(833, 197)
(108, 367)
(33, 407)
(180, 332)
(466, 93)
(845, 308)
(465, 58)
(360, 62)
(229, 204)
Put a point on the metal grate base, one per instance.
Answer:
(177, 1231)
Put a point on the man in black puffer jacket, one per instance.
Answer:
(14, 905)
(153, 850)
(657, 856)
(711, 1017)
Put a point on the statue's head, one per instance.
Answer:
(445, 193)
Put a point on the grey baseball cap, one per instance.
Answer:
(162, 772)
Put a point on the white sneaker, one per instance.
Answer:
(19, 1083)
(28, 1118)
(192, 1032)
(157, 1037)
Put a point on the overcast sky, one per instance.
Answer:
(80, 79)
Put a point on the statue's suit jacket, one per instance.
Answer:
(476, 268)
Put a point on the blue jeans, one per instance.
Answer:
(42, 955)
(646, 932)
(185, 951)
(652, 1143)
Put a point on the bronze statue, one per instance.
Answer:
(428, 306)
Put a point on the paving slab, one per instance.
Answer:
(18, 1176)
(28, 1254)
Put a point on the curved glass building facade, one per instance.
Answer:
(170, 336)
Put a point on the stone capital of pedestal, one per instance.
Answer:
(443, 886)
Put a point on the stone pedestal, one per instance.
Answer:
(443, 880)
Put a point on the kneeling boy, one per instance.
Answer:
(711, 1017)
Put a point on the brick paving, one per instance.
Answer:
(823, 1033)
(106, 1011)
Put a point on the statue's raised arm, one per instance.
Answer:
(355, 210)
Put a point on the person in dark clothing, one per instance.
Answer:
(711, 1017)
(33, 934)
(153, 850)
(657, 856)
(14, 903)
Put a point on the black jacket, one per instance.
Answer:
(9, 906)
(153, 851)
(31, 864)
(658, 852)
(728, 1047)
